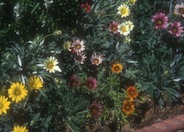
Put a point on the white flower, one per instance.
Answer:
(96, 59)
(50, 64)
(124, 29)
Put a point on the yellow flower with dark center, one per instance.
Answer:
(35, 82)
(117, 67)
(17, 92)
(123, 10)
(132, 92)
(20, 129)
(128, 107)
(4, 104)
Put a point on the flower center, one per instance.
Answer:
(127, 107)
(96, 61)
(159, 22)
(117, 68)
(132, 92)
(78, 46)
(1, 105)
(50, 65)
(175, 30)
(17, 92)
(90, 85)
(94, 111)
(123, 11)
(123, 29)
(114, 28)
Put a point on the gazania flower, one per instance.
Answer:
(20, 129)
(96, 109)
(124, 29)
(50, 65)
(179, 10)
(132, 1)
(130, 25)
(4, 104)
(128, 107)
(35, 82)
(123, 10)
(160, 20)
(17, 92)
(67, 45)
(91, 83)
(78, 46)
(96, 59)
(132, 92)
(117, 67)
(113, 27)
(86, 7)
(74, 81)
(80, 58)
(176, 29)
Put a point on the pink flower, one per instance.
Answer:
(179, 10)
(160, 20)
(91, 83)
(113, 27)
(96, 59)
(176, 29)
(96, 109)
(80, 58)
(86, 7)
(74, 81)
(78, 46)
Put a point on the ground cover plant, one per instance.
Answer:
(87, 65)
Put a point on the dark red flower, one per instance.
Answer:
(86, 7)
(91, 83)
(74, 81)
(96, 109)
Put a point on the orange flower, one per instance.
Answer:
(128, 107)
(132, 92)
(117, 67)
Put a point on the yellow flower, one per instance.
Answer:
(4, 104)
(123, 10)
(132, 1)
(17, 92)
(117, 67)
(35, 82)
(132, 92)
(128, 107)
(20, 129)
(67, 45)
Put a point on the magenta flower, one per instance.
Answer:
(74, 81)
(179, 10)
(113, 27)
(91, 83)
(160, 20)
(176, 29)
(96, 109)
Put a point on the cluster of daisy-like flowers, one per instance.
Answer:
(18, 92)
(77, 47)
(126, 26)
(161, 21)
(128, 106)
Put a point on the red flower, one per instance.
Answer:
(96, 109)
(74, 81)
(91, 83)
(86, 7)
